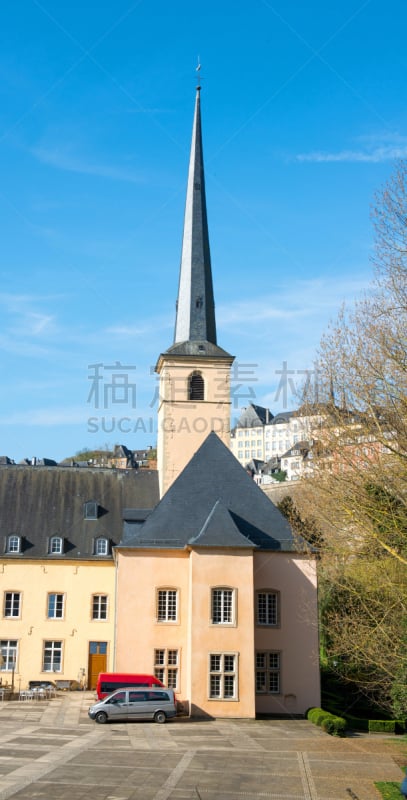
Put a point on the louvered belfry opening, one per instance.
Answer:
(196, 387)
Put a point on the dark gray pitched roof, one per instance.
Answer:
(198, 349)
(299, 449)
(283, 416)
(184, 513)
(254, 415)
(220, 530)
(39, 502)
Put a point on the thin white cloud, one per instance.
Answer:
(48, 417)
(63, 159)
(128, 330)
(375, 156)
(289, 303)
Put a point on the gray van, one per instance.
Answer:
(130, 703)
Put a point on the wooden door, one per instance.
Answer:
(97, 662)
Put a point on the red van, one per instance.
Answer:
(110, 681)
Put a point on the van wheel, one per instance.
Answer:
(101, 717)
(160, 717)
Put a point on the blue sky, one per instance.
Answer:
(304, 117)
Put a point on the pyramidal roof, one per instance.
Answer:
(213, 502)
(195, 325)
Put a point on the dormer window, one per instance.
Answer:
(14, 544)
(101, 546)
(55, 546)
(196, 386)
(90, 510)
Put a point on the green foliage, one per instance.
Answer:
(398, 691)
(389, 519)
(306, 528)
(362, 613)
(335, 726)
(382, 726)
(388, 790)
(92, 455)
(280, 475)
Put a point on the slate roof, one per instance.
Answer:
(253, 416)
(39, 502)
(213, 502)
(195, 318)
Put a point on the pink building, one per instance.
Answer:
(214, 594)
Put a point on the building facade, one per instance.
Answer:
(213, 593)
(59, 526)
(260, 435)
(196, 576)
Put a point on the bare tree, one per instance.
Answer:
(358, 490)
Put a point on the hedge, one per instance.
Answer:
(335, 726)
(386, 725)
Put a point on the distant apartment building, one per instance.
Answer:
(262, 436)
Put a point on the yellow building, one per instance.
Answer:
(57, 575)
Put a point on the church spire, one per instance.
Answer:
(195, 318)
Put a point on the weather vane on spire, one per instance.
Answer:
(198, 70)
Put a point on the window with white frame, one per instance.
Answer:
(8, 651)
(12, 604)
(14, 544)
(167, 605)
(166, 666)
(55, 545)
(101, 546)
(99, 606)
(223, 679)
(55, 606)
(52, 657)
(268, 672)
(222, 606)
(268, 612)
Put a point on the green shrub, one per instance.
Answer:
(388, 790)
(330, 723)
(382, 726)
(335, 726)
(387, 725)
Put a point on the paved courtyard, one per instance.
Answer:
(50, 750)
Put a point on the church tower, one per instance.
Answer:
(194, 372)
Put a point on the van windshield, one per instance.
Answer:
(117, 699)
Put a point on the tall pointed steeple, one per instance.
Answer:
(195, 319)
(194, 396)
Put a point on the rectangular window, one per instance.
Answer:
(267, 608)
(52, 657)
(268, 673)
(223, 676)
(167, 605)
(12, 604)
(55, 606)
(222, 611)
(166, 666)
(13, 544)
(99, 606)
(8, 651)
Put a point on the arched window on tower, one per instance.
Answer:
(196, 386)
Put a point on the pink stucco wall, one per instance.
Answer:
(193, 573)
